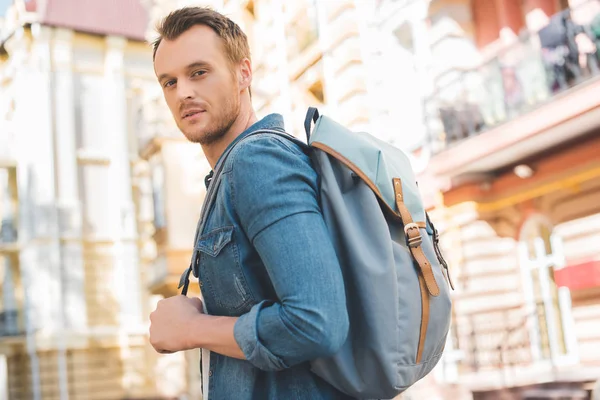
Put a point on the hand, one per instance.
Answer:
(171, 321)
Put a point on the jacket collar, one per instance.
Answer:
(272, 121)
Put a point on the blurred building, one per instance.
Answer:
(496, 102)
(513, 122)
(73, 308)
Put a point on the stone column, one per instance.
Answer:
(127, 284)
(69, 207)
(37, 213)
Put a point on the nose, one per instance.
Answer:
(184, 90)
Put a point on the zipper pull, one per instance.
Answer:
(438, 252)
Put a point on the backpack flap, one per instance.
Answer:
(374, 160)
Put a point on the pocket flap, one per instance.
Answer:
(213, 242)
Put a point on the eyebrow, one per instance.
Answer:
(196, 64)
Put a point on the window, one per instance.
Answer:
(540, 253)
(96, 191)
(93, 145)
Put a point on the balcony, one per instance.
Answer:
(535, 94)
(510, 348)
(493, 341)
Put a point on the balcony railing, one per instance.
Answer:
(9, 324)
(494, 341)
(499, 343)
(522, 77)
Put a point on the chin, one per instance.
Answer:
(195, 137)
(192, 133)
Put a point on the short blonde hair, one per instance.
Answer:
(234, 40)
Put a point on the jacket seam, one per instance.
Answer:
(229, 163)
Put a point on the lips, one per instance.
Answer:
(190, 113)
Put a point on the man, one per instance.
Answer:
(270, 279)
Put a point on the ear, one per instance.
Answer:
(245, 75)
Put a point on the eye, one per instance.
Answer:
(170, 83)
(198, 73)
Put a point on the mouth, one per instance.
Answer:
(191, 113)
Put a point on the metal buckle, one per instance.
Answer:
(415, 241)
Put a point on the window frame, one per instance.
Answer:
(542, 262)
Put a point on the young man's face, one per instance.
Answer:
(199, 84)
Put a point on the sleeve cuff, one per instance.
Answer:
(245, 333)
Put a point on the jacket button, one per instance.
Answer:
(210, 373)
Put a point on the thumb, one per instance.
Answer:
(196, 302)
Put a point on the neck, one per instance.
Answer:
(244, 120)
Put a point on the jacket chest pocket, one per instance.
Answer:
(223, 281)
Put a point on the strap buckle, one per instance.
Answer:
(413, 240)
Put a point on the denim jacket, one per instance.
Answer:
(264, 255)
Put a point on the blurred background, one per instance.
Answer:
(496, 101)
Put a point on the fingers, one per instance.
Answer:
(157, 346)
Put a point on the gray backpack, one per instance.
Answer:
(398, 301)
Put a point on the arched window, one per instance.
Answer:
(540, 253)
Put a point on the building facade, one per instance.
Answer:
(496, 102)
(513, 136)
(73, 308)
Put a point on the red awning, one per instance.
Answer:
(582, 275)
(126, 18)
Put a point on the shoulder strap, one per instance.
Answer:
(184, 280)
(312, 115)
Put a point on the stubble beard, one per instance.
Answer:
(219, 128)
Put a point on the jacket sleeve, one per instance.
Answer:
(274, 190)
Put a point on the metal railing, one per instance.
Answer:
(520, 78)
(494, 341)
(504, 341)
